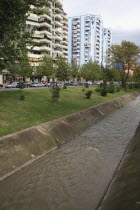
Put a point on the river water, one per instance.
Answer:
(75, 176)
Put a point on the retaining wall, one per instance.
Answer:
(20, 149)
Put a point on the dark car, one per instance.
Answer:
(1, 86)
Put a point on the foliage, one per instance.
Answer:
(65, 86)
(90, 71)
(124, 58)
(136, 75)
(62, 68)
(109, 74)
(86, 85)
(46, 68)
(118, 88)
(13, 34)
(75, 70)
(111, 87)
(54, 68)
(55, 91)
(104, 89)
(98, 90)
(88, 94)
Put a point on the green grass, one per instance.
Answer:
(37, 108)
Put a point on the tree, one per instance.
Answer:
(124, 58)
(62, 68)
(90, 71)
(109, 74)
(75, 71)
(13, 34)
(136, 75)
(47, 68)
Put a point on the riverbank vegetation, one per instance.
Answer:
(38, 107)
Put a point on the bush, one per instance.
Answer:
(83, 90)
(65, 86)
(101, 84)
(111, 88)
(98, 90)
(55, 93)
(88, 94)
(104, 89)
(130, 86)
(118, 88)
(86, 85)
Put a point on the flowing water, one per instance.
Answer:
(75, 176)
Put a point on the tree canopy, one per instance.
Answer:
(13, 33)
(90, 71)
(124, 57)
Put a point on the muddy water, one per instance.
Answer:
(75, 176)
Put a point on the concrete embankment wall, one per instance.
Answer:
(20, 149)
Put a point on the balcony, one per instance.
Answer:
(57, 23)
(41, 48)
(46, 16)
(57, 16)
(58, 30)
(44, 24)
(56, 37)
(58, 10)
(44, 32)
(42, 41)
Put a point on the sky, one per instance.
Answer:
(122, 16)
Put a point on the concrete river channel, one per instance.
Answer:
(75, 176)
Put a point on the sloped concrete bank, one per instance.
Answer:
(22, 148)
(124, 191)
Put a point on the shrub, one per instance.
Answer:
(83, 90)
(55, 93)
(98, 90)
(88, 94)
(86, 85)
(118, 88)
(101, 84)
(104, 89)
(111, 88)
(130, 86)
(65, 86)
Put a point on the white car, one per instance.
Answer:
(13, 85)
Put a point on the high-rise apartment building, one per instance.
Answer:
(51, 32)
(107, 41)
(85, 39)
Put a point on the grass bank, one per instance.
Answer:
(125, 191)
(37, 108)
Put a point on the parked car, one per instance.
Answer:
(1, 86)
(40, 84)
(13, 85)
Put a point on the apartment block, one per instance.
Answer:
(85, 39)
(51, 32)
(107, 42)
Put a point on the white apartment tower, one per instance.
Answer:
(85, 39)
(51, 34)
(107, 42)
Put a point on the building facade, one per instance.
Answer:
(86, 39)
(51, 34)
(107, 42)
